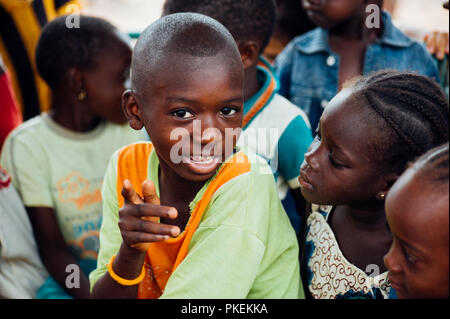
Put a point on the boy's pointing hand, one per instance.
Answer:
(139, 217)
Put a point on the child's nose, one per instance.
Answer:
(390, 260)
(311, 156)
(210, 135)
(205, 132)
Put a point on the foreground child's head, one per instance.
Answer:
(368, 133)
(417, 211)
(250, 22)
(329, 14)
(187, 90)
(87, 64)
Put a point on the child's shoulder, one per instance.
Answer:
(308, 43)
(31, 125)
(394, 37)
(249, 199)
(134, 148)
(281, 112)
(258, 165)
(311, 41)
(245, 173)
(30, 130)
(132, 156)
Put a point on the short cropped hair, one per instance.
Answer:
(60, 48)
(245, 19)
(189, 34)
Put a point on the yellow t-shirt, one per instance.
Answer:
(51, 166)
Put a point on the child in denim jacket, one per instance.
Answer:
(348, 42)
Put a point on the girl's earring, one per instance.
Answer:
(382, 196)
(82, 95)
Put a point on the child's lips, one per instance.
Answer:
(203, 164)
(304, 181)
(201, 159)
(396, 285)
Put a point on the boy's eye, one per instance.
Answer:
(182, 114)
(228, 111)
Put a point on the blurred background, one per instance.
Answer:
(418, 16)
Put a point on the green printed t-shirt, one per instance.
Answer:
(53, 167)
(244, 247)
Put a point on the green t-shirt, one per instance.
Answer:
(244, 247)
(51, 166)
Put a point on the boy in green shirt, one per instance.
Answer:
(221, 231)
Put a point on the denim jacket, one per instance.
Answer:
(308, 69)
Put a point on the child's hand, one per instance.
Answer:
(139, 218)
(437, 44)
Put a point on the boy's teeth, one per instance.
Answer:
(201, 158)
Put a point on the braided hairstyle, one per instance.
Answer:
(409, 112)
(433, 168)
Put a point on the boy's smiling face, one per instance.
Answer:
(176, 98)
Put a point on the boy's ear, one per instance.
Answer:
(249, 53)
(131, 109)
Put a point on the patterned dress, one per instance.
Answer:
(329, 274)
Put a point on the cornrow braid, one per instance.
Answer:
(411, 112)
(433, 166)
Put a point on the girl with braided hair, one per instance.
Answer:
(366, 137)
(417, 213)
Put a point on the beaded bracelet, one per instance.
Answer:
(122, 281)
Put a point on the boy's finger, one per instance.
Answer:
(149, 192)
(142, 240)
(430, 40)
(139, 237)
(151, 210)
(129, 194)
(142, 226)
(441, 46)
(445, 42)
(144, 210)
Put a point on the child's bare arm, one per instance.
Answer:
(53, 249)
(138, 226)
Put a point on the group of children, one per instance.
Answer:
(349, 213)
